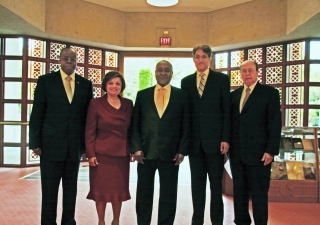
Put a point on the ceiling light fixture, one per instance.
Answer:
(162, 3)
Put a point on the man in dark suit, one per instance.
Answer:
(57, 124)
(159, 140)
(210, 109)
(256, 131)
(209, 94)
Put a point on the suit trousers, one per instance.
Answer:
(51, 174)
(168, 174)
(250, 181)
(201, 165)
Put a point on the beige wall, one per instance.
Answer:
(301, 11)
(247, 22)
(32, 11)
(141, 28)
(86, 21)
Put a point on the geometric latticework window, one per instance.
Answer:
(95, 57)
(36, 69)
(274, 75)
(111, 59)
(260, 75)
(54, 67)
(295, 73)
(221, 60)
(296, 51)
(294, 117)
(31, 89)
(235, 78)
(255, 54)
(37, 48)
(96, 92)
(274, 54)
(280, 93)
(80, 53)
(80, 70)
(295, 95)
(55, 49)
(94, 75)
(237, 57)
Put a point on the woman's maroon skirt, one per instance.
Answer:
(109, 181)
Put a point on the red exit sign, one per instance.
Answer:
(165, 41)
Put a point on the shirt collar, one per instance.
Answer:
(64, 75)
(167, 87)
(206, 72)
(251, 87)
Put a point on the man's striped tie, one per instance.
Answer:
(201, 85)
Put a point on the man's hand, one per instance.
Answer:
(178, 158)
(37, 151)
(267, 158)
(139, 156)
(132, 158)
(224, 147)
(93, 161)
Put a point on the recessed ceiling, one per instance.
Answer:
(182, 6)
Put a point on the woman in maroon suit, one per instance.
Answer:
(107, 147)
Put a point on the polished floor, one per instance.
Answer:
(20, 202)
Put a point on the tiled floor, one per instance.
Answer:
(20, 203)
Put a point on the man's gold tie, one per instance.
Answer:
(201, 85)
(160, 101)
(68, 88)
(246, 97)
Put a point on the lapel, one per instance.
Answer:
(237, 99)
(209, 87)
(118, 113)
(254, 96)
(59, 87)
(150, 99)
(193, 85)
(77, 89)
(171, 101)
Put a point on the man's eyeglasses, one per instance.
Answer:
(66, 59)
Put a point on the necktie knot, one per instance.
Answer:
(68, 78)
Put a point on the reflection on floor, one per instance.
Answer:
(20, 196)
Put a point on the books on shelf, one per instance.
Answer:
(308, 169)
(278, 171)
(297, 143)
(295, 170)
(287, 143)
(307, 145)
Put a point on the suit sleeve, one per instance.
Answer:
(90, 131)
(274, 123)
(37, 115)
(225, 108)
(136, 144)
(185, 128)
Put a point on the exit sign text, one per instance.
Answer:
(165, 41)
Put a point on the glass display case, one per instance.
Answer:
(294, 172)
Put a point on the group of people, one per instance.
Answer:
(202, 120)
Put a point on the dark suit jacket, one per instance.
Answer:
(107, 128)
(257, 129)
(55, 124)
(210, 114)
(167, 135)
